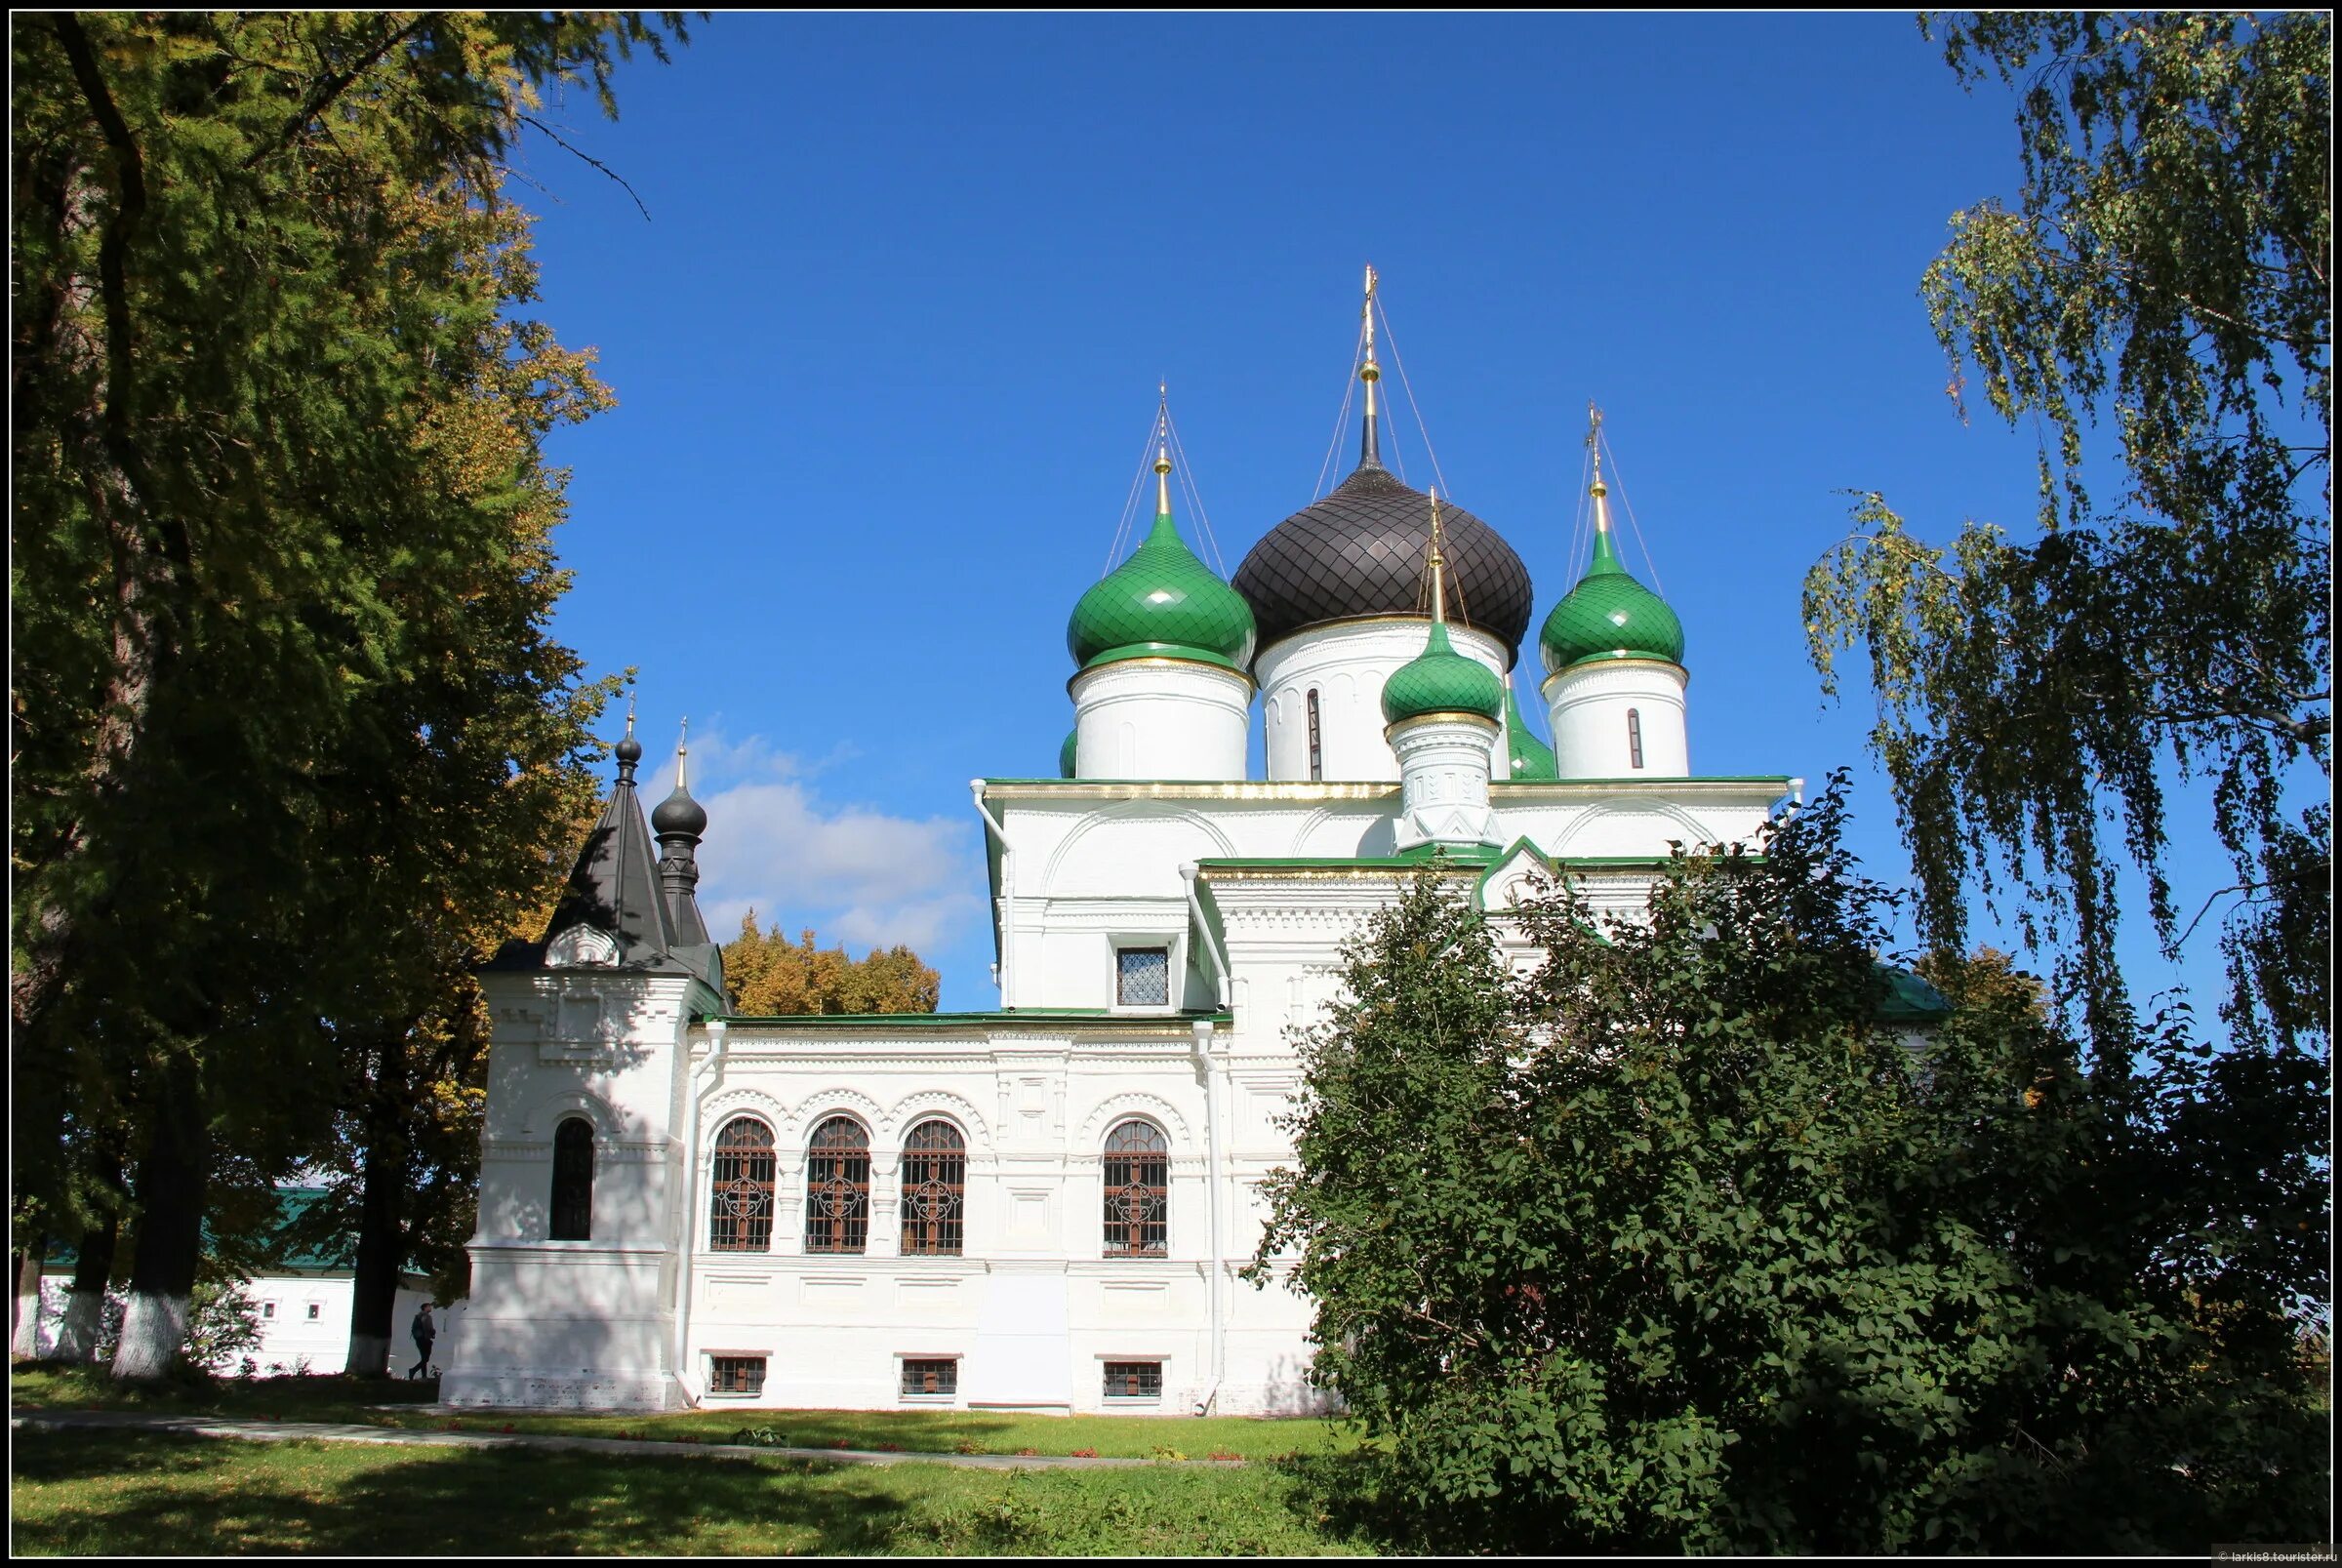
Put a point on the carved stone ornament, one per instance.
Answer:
(581, 946)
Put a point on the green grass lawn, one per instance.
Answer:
(934, 1432)
(87, 1493)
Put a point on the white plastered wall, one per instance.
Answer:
(1346, 664)
(584, 1324)
(1588, 707)
(1160, 718)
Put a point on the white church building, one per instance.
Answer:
(1045, 1207)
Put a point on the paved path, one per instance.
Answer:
(280, 1431)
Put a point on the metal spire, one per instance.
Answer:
(630, 749)
(1370, 453)
(1163, 452)
(1438, 566)
(682, 750)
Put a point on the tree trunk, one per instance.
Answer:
(85, 1298)
(169, 1239)
(383, 1184)
(25, 1326)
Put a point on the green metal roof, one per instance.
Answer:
(1609, 615)
(1065, 754)
(1161, 603)
(1532, 758)
(1910, 1000)
(1441, 680)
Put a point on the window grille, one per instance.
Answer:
(1143, 977)
(1635, 737)
(837, 1188)
(1134, 1379)
(1137, 1178)
(741, 1217)
(935, 1186)
(735, 1374)
(573, 1180)
(1316, 749)
(933, 1376)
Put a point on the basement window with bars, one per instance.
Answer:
(930, 1377)
(1134, 1379)
(735, 1374)
(1143, 977)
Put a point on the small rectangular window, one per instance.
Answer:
(1635, 737)
(932, 1377)
(1134, 1379)
(735, 1374)
(1143, 977)
(268, 1309)
(314, 1310)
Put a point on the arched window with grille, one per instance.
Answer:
(573, 1180)
(1316, 747)
(1138, 1185)
(740, 1210)
(1635, 737)
(837, 1188)
(935, 1191)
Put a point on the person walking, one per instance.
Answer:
(424, 1333)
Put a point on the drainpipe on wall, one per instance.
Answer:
(1008, 865)
(718, 1032)
(1211, 946)
(1202, 1036)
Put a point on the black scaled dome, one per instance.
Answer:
(1361, 553)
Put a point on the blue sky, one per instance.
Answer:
(886, 351)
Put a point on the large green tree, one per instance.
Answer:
(279, 574)
(2157, 304)
(1672, 1244)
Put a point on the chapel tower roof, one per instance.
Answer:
(1608, 614)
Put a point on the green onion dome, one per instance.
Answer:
(1161, 603)
(1609, 615)
(1065, 754)
(1532, 758)
(1441, 680)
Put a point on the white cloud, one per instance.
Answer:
(853, 872)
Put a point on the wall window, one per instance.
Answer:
(268, 1309)
(1634, 738)
(741, 1214)
(837, 1188)
(1317, 744)
(573, 1180)
(316, 1311)
(934, 1190)
(1134, 1379)
(1143, 977)
(735, 1374)
(934, 1378)
(1138, 1180)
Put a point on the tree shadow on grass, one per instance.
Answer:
(148, 1494)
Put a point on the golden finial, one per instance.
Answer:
(1594, 444)
(1438, 566)
(1162, 450)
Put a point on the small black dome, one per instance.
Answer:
(678, 813)
(1361, 553)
